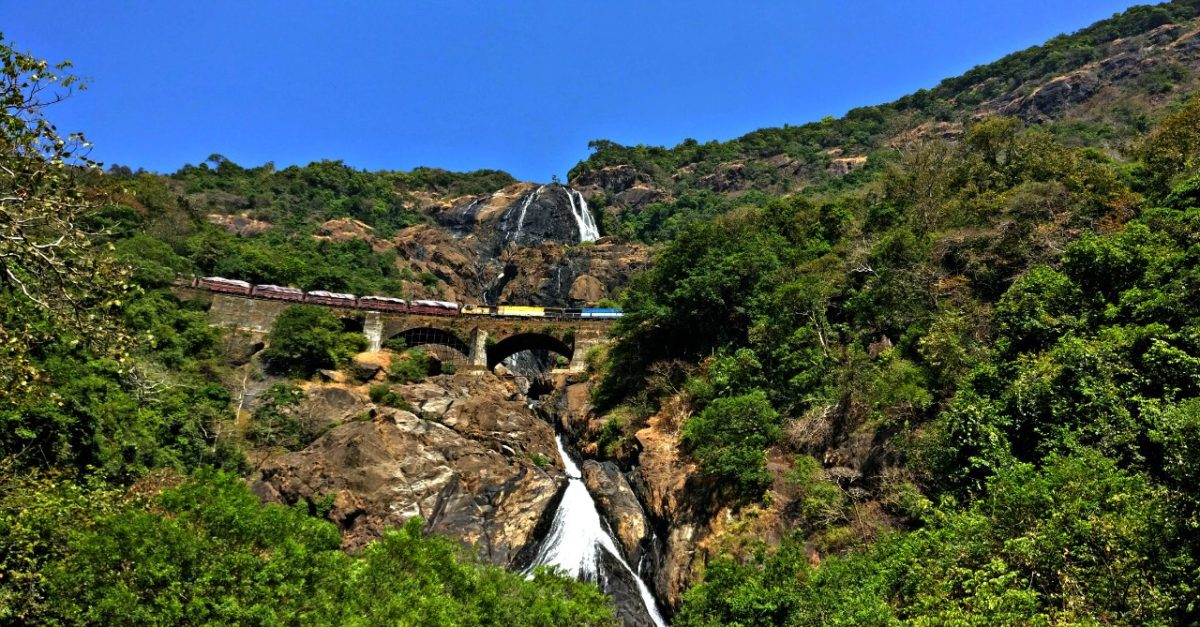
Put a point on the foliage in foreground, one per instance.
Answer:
(1073, 542)
(207, 552)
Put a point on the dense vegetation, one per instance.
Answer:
(166, 233)
(1011, 321)
(119, 498)
(305, 338)
(299, 196)
(205, 551)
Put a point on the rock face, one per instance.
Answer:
(618, 505)
(326, 406)
(239, 224)
(475, 465)
(520, 244)
(678, 500)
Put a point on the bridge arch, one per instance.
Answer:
(514, 344)
(453, 348)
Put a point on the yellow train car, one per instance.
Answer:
(522, 312)
(478, 310)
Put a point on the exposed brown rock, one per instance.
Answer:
(346, 229)
(619, 505)
(586, 289)
(367, 366)
(666, 484)
(239, 224)
(466, 466)
(845, 165)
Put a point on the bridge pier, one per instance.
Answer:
(585, 340)
(478, 359)
(373, 329)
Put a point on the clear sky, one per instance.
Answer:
(514, 85)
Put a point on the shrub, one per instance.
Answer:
(728, 438)
(412, 367)
(273, 425)
(383, 394)
(208, 552)
(305, 339)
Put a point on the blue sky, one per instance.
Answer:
(519, 86)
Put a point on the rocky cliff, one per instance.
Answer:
(523, 244)
(663, 512)
(470, 458)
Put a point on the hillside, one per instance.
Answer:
(956, 389)
(1098, 87)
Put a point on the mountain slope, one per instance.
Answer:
(1097, 87)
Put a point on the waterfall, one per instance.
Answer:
(525, 207)
(576, 537)
(588, 232)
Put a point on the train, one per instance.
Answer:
(391, 304)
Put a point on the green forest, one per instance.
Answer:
(1013, 319)
(1015, 323)
(1010, 319)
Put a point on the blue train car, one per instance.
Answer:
(600, 313)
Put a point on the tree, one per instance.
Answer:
(305, 339)
(1172, 149)
(53, 276)
(728, 438)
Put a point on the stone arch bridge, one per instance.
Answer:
(482, 341)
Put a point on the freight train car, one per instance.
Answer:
(521, 312)
(333, 299)
(383, 303)
(278, 292)
(433, 308)
(478, 310)
(228, 286)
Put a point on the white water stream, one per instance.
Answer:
(584, 221)
(576, 537)
(525, 207)
(588, 231)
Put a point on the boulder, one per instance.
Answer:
(473, 466)
(618, 505)
(586, 289)
(384, 471)
(327, 405)
(368, 366)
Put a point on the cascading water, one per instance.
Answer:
(521, 216)
(588, 231)
(577, 537)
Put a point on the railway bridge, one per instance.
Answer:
(476, 342)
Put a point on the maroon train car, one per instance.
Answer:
(333, 299)
(433, 308)
(228, 286)
(278, 292)
(383, 303)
